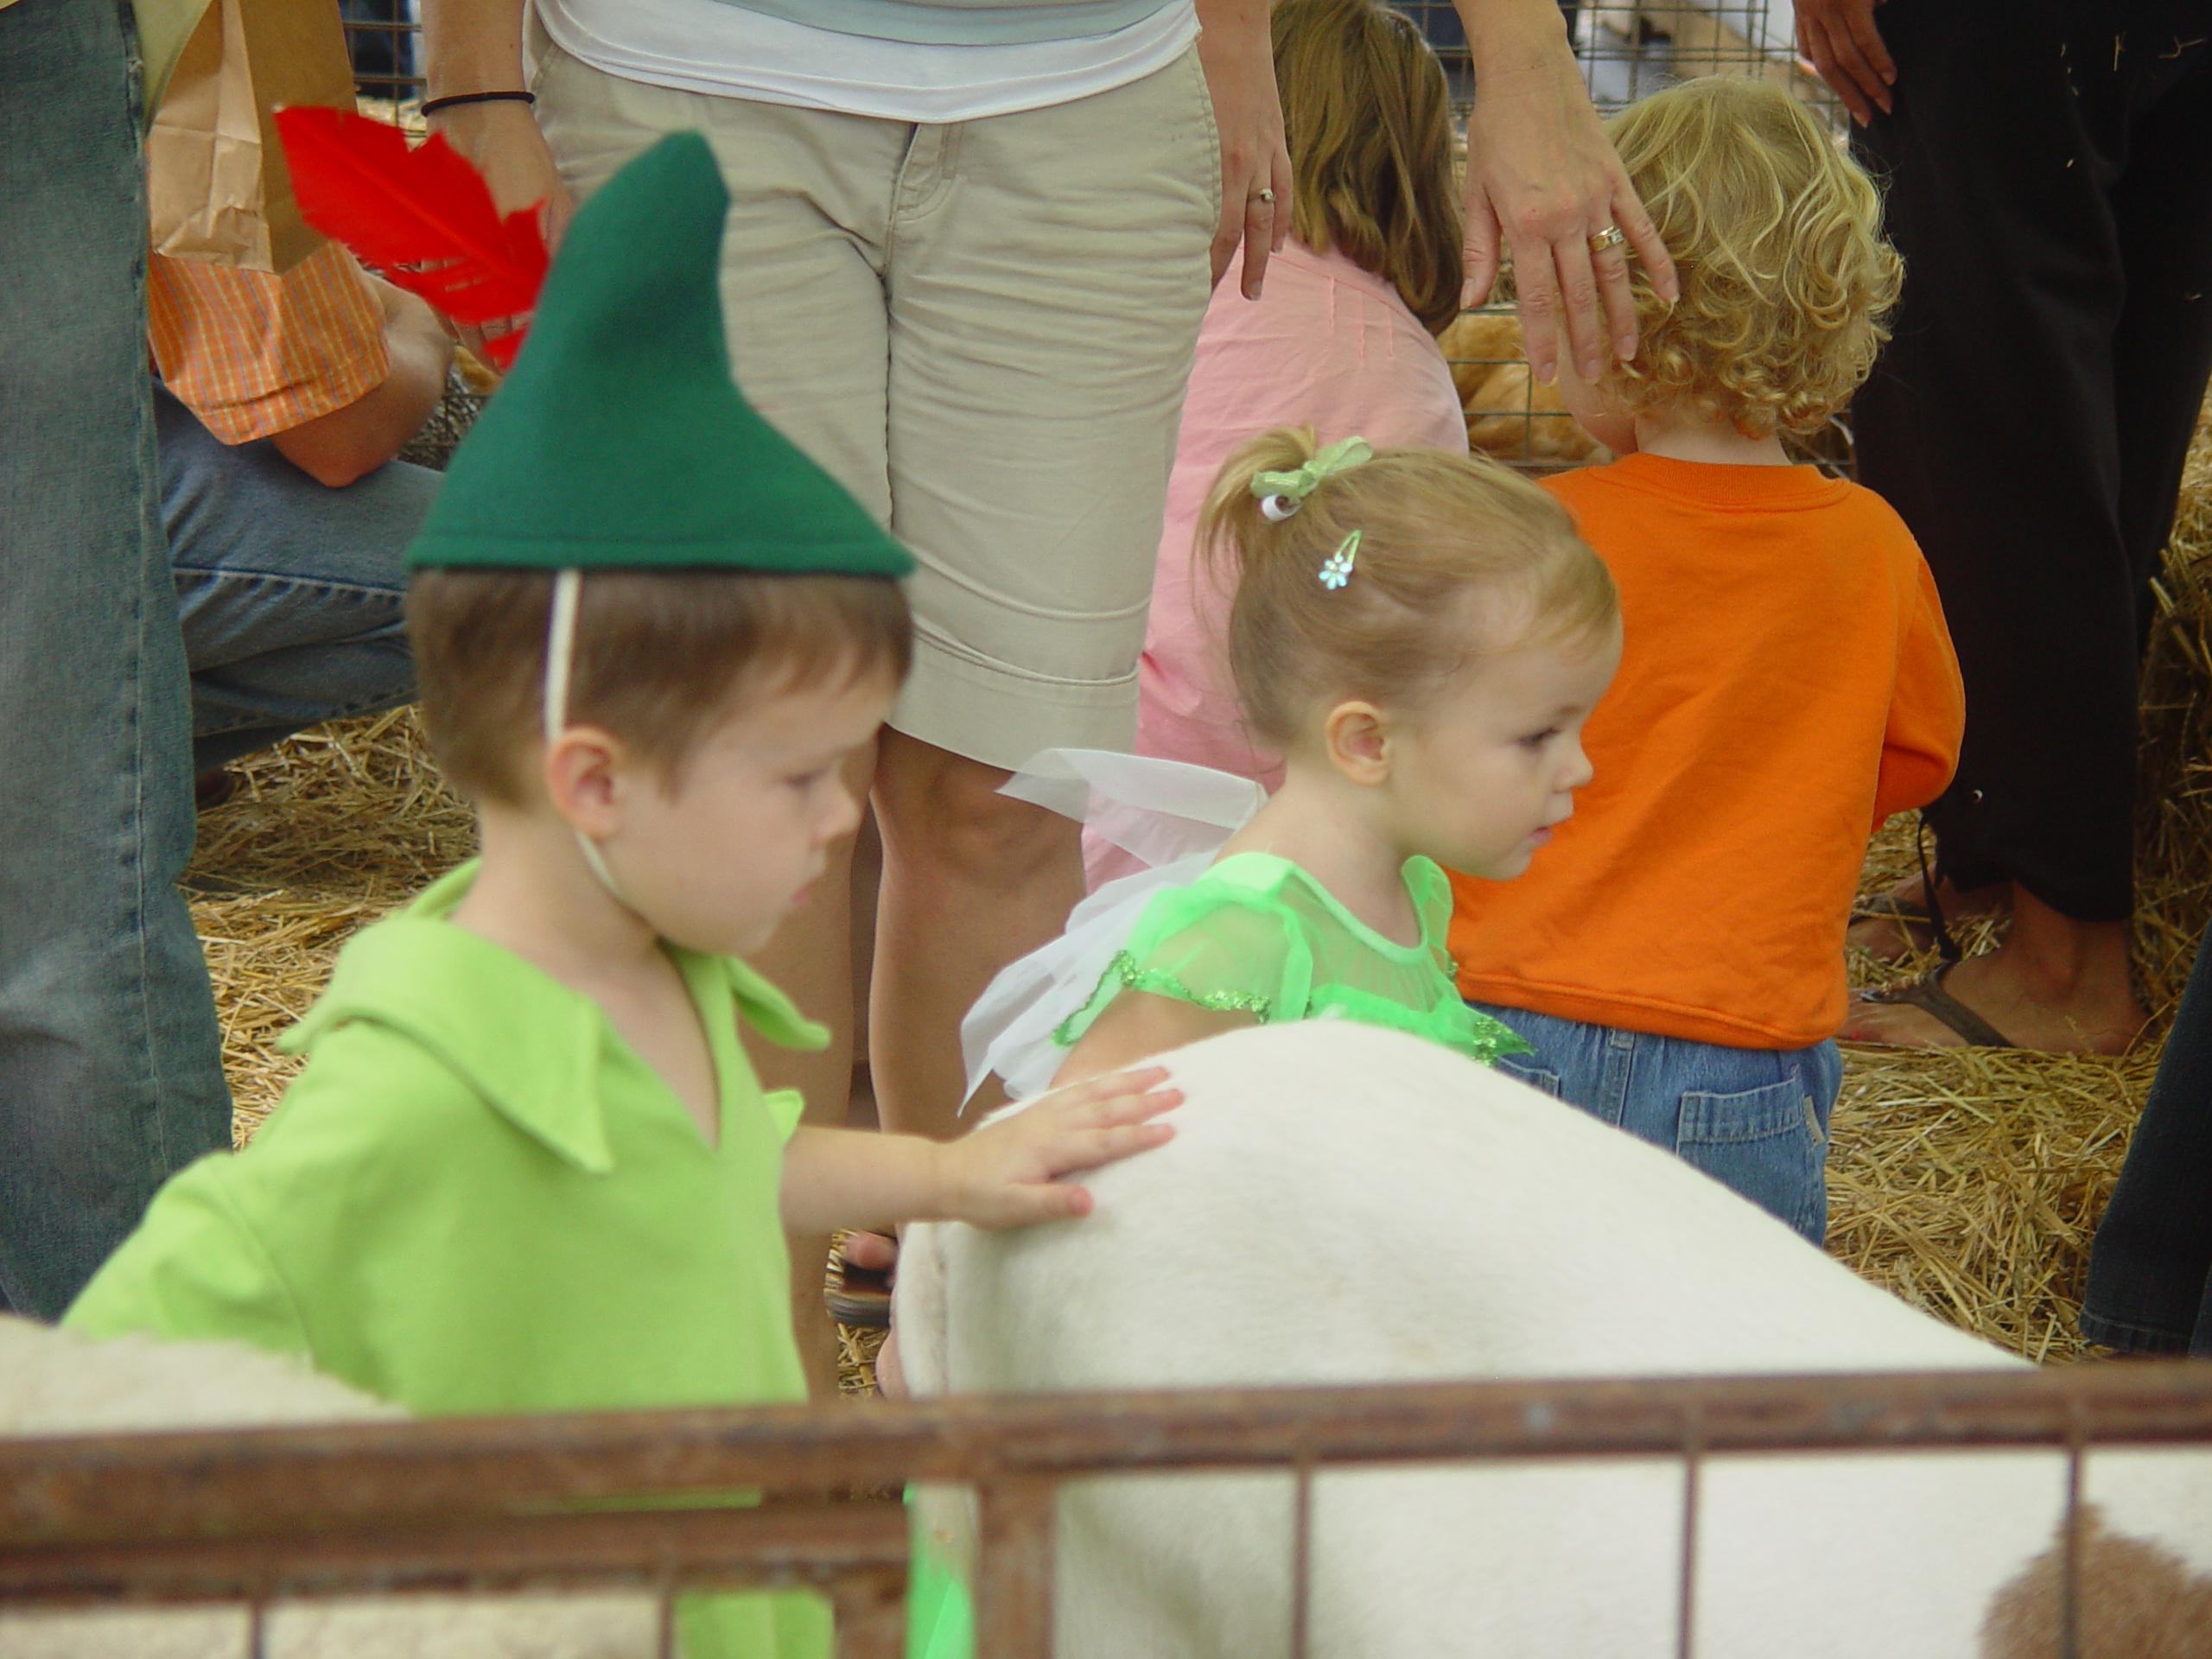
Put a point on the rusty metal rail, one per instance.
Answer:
(253, 1514)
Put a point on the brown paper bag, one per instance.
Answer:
(215, 179)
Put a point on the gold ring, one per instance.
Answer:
(1612, 236)
(1264, 194)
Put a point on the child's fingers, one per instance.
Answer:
(1089, 1149)
(1135, 1080)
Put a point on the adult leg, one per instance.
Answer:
(1991, 425)
(2149, 1265)
(290, 593)
(110, 1073)
(1047, 273)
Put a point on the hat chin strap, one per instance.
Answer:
(560, 654)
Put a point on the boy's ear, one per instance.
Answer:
(1358, 742)
(584, 770)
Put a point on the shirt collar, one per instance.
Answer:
(532, 1048)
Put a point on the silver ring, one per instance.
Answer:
(1264, 194)
(1612, 236)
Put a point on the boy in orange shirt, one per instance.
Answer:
(1676, 956)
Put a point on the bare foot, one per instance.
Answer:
(2055, 984)
(871, 1250)
(1891, 938)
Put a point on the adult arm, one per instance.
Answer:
(348, 443)
(1238, 53)
(475, 45)
(1846, 48)
(1542, 180)
(1006, 1174)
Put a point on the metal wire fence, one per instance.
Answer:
(262, 1516)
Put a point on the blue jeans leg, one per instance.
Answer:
(291, 593)
(110, 1073)
(1754, 1119)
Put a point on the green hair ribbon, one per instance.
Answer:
(1280, 493)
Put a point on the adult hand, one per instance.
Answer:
(1237, 54)
(1542, 180)
(1840, 37)
(504, 142)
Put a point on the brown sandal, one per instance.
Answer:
(1926, 993)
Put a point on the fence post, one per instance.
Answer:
(871, 1615)
(1014, 1567)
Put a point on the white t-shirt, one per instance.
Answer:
(705, 45)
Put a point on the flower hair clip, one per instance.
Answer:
(1281, 494)
(1336, 569)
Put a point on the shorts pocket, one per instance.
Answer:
(1764, 1143)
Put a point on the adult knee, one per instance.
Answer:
(943, 812)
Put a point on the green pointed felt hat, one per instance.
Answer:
(620, 440)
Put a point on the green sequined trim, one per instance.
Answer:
(1135, 976)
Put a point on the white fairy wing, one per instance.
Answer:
(1170, 816)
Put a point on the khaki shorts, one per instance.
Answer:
(982, 329)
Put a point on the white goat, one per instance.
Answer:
(54, 1382)
(1341, 1204)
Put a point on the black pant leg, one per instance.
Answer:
(2162, 352)
(1992, 423)
(2150, 1266)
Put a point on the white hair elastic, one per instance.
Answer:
(1276, 508)
(560, 656)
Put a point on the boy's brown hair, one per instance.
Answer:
(1457, 556)
(1776, 233)
(1368, 120)
(661, 657)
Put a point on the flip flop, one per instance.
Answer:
(857, 1296)
(1926, 993)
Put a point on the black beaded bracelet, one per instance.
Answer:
(433, 106)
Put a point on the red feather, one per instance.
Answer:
(422, 217)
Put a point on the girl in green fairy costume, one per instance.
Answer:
(1421, 635)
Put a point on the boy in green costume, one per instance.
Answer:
(528, 1166)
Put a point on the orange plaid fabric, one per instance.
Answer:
(253, 353)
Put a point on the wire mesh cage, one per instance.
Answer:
(1626, 53)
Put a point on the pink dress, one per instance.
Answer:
(1330, 345)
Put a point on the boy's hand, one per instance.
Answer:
(1007, 1174)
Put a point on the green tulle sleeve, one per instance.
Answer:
(1255, 934)
(1214, 945)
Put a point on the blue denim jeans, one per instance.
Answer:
(290, 592)
(110, 1073)
(1754, 1119)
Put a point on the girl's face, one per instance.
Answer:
(716, 857)
(1478, 780)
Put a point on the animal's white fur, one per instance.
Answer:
(1342, 1204)
(55, 1381)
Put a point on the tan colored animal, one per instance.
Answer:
(1509, 418)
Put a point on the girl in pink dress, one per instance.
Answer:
(1344, 340)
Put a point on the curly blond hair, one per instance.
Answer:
(1775, 232)
(1458, 557)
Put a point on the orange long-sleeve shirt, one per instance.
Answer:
(1786, 681)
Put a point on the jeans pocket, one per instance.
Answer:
(1530, 1070)
(1763, 1143)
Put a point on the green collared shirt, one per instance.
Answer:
(476, 1198)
